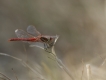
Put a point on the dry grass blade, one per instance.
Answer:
(82, 69)
(5, 76)
(25, 64)
(103, 62)
(88, 71)
(11, 56)
(15, 74)
(61, 65)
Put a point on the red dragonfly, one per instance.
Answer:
(35, 38)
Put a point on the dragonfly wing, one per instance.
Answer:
(22, 34)
(37, 44)
(33, 31)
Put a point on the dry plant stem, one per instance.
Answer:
(5, 76)
(26, 65)
(61, 65)
(15, 74)
(33, 70)
(99, 56)
(88, 71)
(26, 53)
(103, 62)
(82, 69)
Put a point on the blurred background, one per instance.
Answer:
(80, 24)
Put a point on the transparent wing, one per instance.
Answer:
(38, 44)
(22, 34)
(33, 31)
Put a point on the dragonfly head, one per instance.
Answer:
(44, 39)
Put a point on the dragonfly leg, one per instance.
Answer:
(46, 48)
(51, 44)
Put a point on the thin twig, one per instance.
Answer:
(61, 65)
(88, 71)
(64, 68)
(103, 62)
(5, 76)
(25, 64)
(82, 69)
(100, 56)
(15, 74)
(25, 52)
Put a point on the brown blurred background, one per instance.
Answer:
(80, 25)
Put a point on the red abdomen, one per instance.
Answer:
(24, 39)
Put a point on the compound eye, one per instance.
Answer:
(50, 38)
(44, 39)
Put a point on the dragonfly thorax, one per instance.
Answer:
(44, 39)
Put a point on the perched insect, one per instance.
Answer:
(35, 38)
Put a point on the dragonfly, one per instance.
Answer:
(35, 38)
